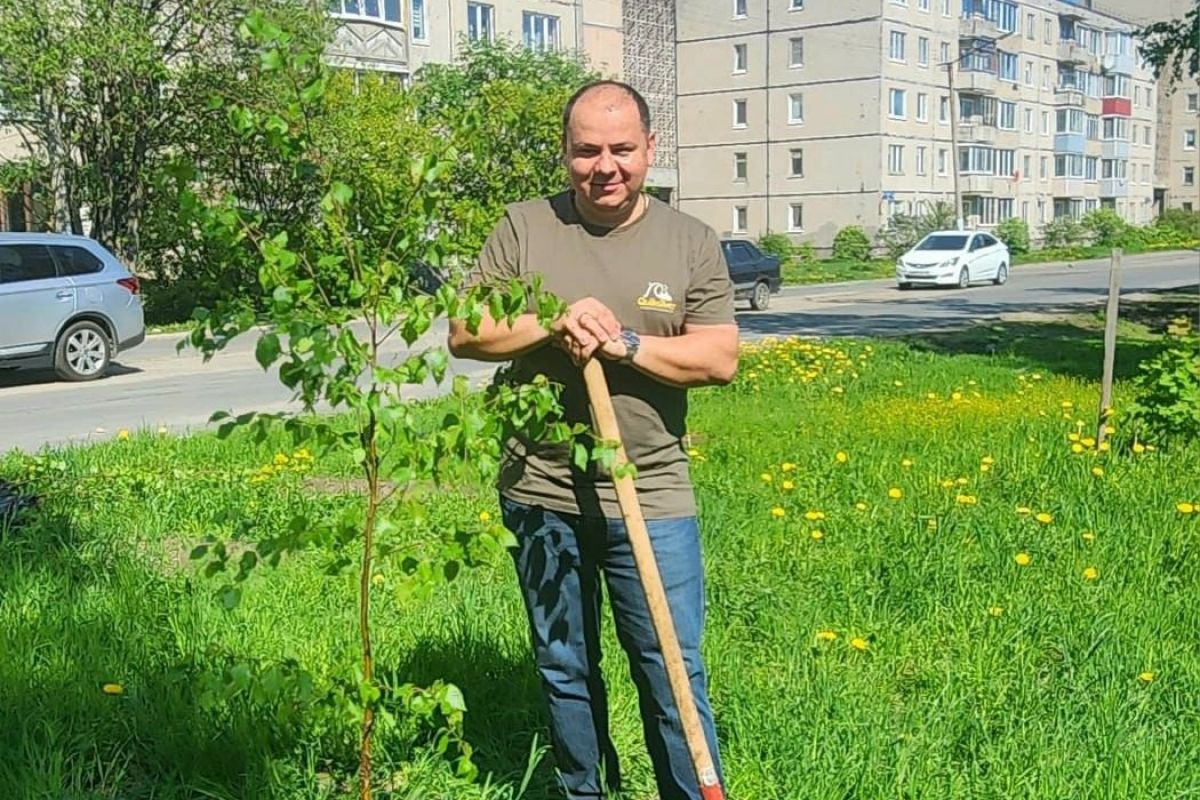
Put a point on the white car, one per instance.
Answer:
(954, 258)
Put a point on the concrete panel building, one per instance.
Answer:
(804, 117)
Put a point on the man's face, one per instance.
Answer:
(607, 152)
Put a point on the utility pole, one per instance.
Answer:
(958, 201)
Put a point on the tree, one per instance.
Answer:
(1172, 47)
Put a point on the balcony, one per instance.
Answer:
(1114, 187)
(977, 82)
(1118, 63)
(973, 130)
(976, 184)
(1067, 187)
(1070, 143)
(1114, 148)
(367, 44)
(977, 26)
(1072, 52)
(1116, 107)
(1070, 96)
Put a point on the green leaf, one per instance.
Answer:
(454, 698)
(267, 350)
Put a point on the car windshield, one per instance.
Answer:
(942, 242)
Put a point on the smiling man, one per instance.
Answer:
(648, 294)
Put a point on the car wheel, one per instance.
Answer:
(83, 352)
(761, 297)
(964, 278)
(1001, 275)
(904, 287)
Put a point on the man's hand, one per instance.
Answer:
(587, 327)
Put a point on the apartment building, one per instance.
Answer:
(1177, 159)
(819, 115)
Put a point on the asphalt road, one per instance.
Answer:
(153, 385)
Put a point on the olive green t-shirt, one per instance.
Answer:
(658, 273)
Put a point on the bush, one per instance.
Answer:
(905, 230)
(1014, 232)
(1104, 227)
(778, 245)
(1168, 389)
(805, 253)
(851, 244)
(1186, 223)
(1061, 232)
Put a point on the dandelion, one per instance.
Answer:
(693, 452)
(1098, 472)
(1073, 437)
(996, 611)
(1022, 559)
(377, 579)
(895, 493)
(1023, 511)
(817, 535)
(861, 506)
(162, 430)
(280, 460)
(837, 390)
(966, 500)
(962, 481)
(787, 466)
(1139, 448)
(931, 396)
(123, 435)
(985, 467)
(1145, 677)
(302, 454)
(931, 524)
(1104, 447)
(112, 689)
(766, 477)
(484, 516)
(826, 636)
(1088, 441)
(1067, 404)
(1077, 448)
(906, 463)
(1088, 536)
(1044, 518)
(988, 460)
(787, 486)
(948, 483)
(1185, 508)
(842, 457)
(814, 516)
(897, 384)
(778, 513)
(1091, 574)
(859, 643)
(956, 396)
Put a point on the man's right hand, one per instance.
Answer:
(587, 325)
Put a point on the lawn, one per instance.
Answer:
(925, 581)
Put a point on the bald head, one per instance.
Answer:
(612, 96)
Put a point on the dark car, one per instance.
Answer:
(755, 274)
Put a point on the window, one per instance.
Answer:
(897, 47)
(1009, 64)
(1008, 116)
(943, 161)
(417, 7)
(796, 167)
(739, 8)
(795, 109)
(796, 59)
(1029, 73)
(1029, 120)
(920, 160)
(1031, 26)
(76, 260)
(1193, 102)
(1049, 31)
(1116, 129)
(1046, 77)
(944, 52)
(25, 262)
(944, 109)
(1045, 123)
(945, 8)
(739, 113)
(1027, 163)
(1113, 168)
(797, 5)
(923, 51)
(481, 22)
(1116, 86)
(1069, 120)
(1189, 176)
(1146, 135)
(1042, 168)
(923, 107)
(739, 58)
(1093, 127)
(1068, 166)
(795, 217)
(1007, 16)
(1090, 166)
(923, 5)
(895, 159)
(1189, 140)
(541, 31)
(976, 160)
(1006, 163)
(389, 11)
(1137, 96)
(739, 166)
(739, 219)
(896, 103)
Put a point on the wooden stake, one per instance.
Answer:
(1110, 342)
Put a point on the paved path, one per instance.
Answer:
(153, 385)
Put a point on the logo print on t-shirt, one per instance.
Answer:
(657, 297)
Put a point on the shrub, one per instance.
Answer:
(851, 244)
(778, 245)
(905, 230)
(1014, 232)
(1168, 389)
(805, 253)
(1186, 223)
(1105, 227)
(1061, 232)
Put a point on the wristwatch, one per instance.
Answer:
(632, 342)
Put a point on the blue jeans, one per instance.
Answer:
(559, 560)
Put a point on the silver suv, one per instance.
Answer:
(67, 303)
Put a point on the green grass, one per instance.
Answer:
(980, 678)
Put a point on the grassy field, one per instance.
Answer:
(926, 581)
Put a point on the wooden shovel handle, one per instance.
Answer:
(656, 597)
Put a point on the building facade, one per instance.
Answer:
(1177, 159)
(805, 117)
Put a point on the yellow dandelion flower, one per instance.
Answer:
(1088, 536)
(906, 463)
(826, 636)
(987, 460)
(787, 486)
(1022, 559)
(1044, 518)
(377, 579)
(985, 467)
(1037, 376)
(931, 396)
(485, 516)
(1109, 430)
(787, 466)
(162, 430)
(996, 611)
(859, 643)
(1138, 447)
(817, 535)
(966, 500)
(956, 396)
(897, 383)
(1023, 511)
(1088, 441)
(113, 688)
(948, 483)
(778, 513)
(895, 493)
(861, 506)
(962, 481)
(1185, 508)
(766, 477)
(1067, 404)
(1077, 448)
(842, 457)
(1145, 677)
(1073, 437)
(280, 459)
(693, 452)
(1091, 574)
(123, 435)
(814, 516)
(1104, 447)
(837, 390)
(1098, 471)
